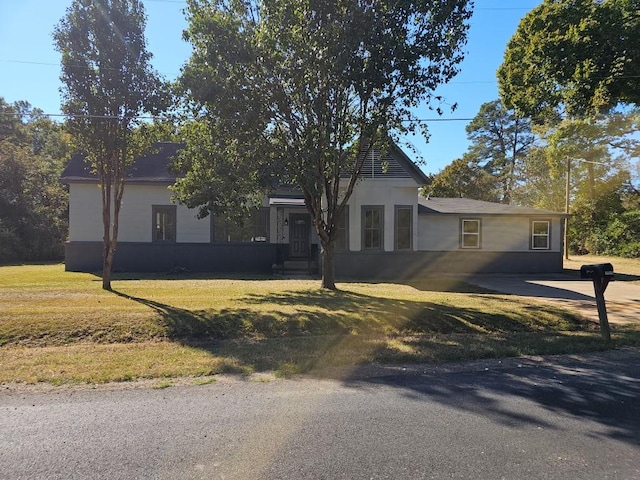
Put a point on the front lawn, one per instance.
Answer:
(61, 327)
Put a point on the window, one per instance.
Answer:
(540, 234)
(372, 227)
(164, 223)
(253, 228)
(470, 233)
(342, 230)
(404, 227)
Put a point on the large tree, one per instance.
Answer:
(499, 142)
(579, 55)
(314, 85)
(107, 82)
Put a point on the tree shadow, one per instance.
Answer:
(603, 388)
(182, 275)
(318, 324)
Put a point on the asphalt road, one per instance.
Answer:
(554, 418)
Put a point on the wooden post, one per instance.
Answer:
(566, 209)
(600, 285)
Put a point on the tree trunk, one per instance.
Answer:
(107, 258)
(328, 275)
(107, 262)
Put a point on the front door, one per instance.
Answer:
(299, 227)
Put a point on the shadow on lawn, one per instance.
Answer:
(318, 312)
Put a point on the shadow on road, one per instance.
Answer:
(603, 388)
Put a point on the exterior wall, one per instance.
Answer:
(505, 240)
(85, 212)
(387, 192)
(402, 266)
(498, 233)
(157, 257)
(136, 222)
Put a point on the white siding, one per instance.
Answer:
(136, 222)
(85, 212)
(498, 234)
(386, 192)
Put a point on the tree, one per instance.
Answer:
(33, 204)
(314, 85)
(595, 154)
(500, 139)
(463, 178)
(543, 181)
(107, 83)
(580, 55)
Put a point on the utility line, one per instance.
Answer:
(147, 117)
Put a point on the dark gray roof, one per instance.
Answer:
(466, 206)
(151, 167)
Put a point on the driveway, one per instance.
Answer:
(622, 298)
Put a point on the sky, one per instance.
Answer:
(30, 66)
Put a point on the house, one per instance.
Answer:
(387, 231)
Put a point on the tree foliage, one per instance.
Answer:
(500, 140)
(463, 178)
(107, 82)
(491, 168)
(33, 204)
(580, 55)
(312, 84)
(599, 155)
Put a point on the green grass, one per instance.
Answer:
(61, 327)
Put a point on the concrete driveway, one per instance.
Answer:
(622, 298)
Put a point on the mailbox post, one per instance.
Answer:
(601, 274)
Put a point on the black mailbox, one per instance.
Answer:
(599, 270)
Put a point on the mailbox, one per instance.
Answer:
(600, 274)
(598, 270)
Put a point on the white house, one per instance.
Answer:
(387, 232)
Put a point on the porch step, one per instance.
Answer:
(293, 265)
(297, 268)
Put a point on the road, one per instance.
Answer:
(560, 417)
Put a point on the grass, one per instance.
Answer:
(62, 328)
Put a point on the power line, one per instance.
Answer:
(51, 64)
(190, 117)
(148, 117)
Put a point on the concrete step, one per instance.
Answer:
(297, 264)
(296, 268)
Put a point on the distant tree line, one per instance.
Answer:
(33, 203)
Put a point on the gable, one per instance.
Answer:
(392, 164)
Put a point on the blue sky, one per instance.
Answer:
(29, 65)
